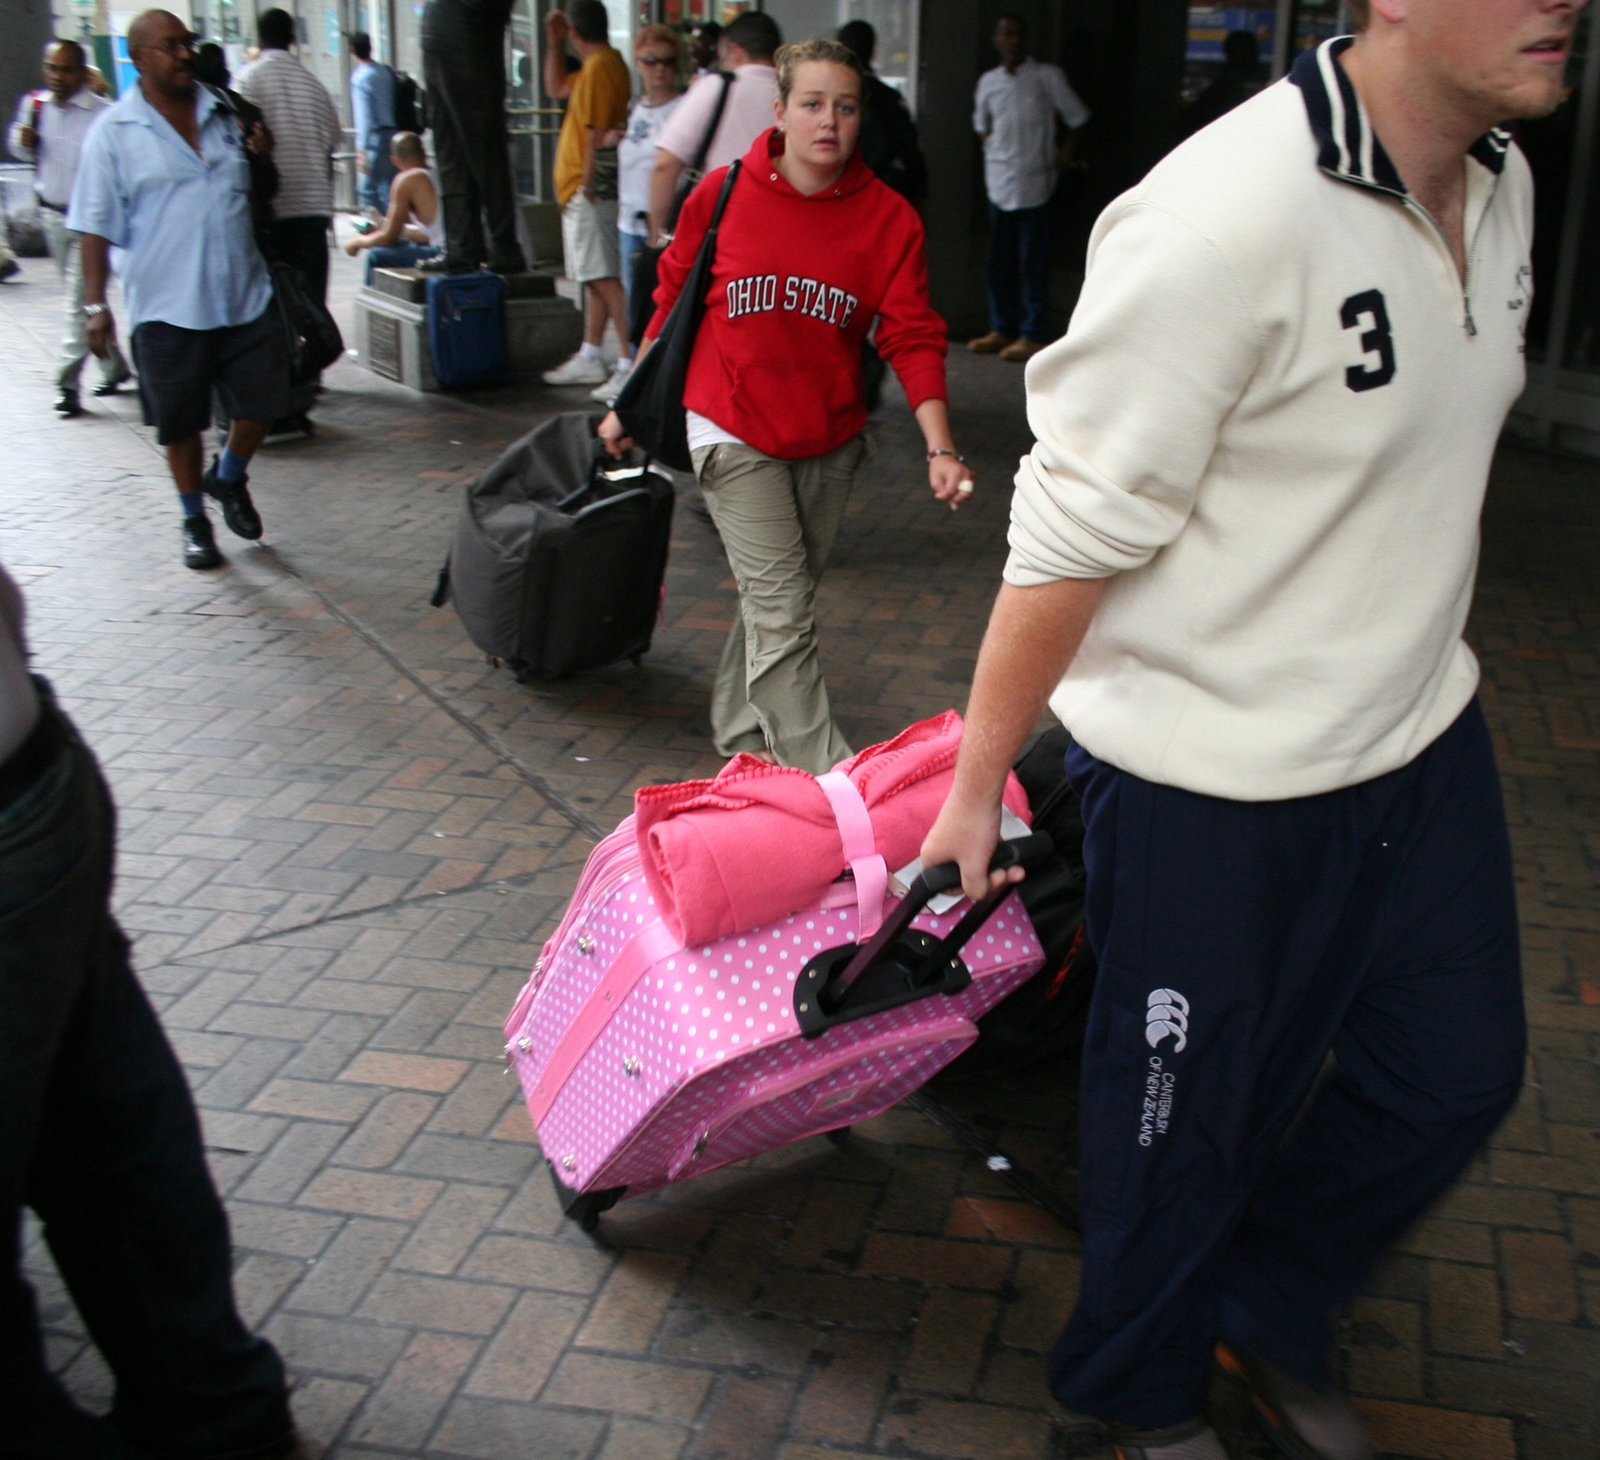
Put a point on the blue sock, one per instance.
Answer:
(231, 468)
(194, 503)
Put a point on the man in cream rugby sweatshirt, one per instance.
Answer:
(1242, 554)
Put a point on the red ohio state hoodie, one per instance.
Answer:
(796, 285)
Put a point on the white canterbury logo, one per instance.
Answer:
(1168, 1014)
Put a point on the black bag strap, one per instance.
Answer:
(696, 169)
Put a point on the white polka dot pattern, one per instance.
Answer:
(702, 1063)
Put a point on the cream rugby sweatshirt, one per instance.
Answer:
(1272, 419)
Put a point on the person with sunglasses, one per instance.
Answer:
(658, 58)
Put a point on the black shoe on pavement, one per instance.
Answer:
(238, 511)
(441, 265)
(9, 267)
(112, 386)
(200, 544)
(67, 404)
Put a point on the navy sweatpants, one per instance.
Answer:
(1359, 947)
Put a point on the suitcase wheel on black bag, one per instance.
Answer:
(585, 1207)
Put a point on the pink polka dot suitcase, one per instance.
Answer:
(645, 1063)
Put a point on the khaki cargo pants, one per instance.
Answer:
(778, 520)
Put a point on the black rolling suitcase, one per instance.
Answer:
(559, 553)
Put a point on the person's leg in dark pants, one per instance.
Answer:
(1005, 297)
(451, 81)
(1240, 943)
(491, 155)
(1429, 1061)
(303, 242)
(1033, 260)
(100, 1138)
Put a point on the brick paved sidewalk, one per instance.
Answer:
(343, 837)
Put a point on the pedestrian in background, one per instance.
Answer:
(372, 112)
(306, 133)
(586, 184)
(1015, 112)
(811, 250)
(745, 51)
(198, 295)
(657, 57)
(99, 1135)
(48, 132)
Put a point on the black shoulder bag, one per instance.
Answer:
(314, 338)
(651, 405)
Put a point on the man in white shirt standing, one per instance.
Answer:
(1242, 557)
(49, 132)
(306, 133)
(1015, 113)
(746, 48)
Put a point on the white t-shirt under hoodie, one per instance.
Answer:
(1272, 420)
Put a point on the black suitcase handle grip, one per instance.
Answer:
(899, 964)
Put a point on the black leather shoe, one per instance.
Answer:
(199, 544)
(112, 386)
(67, 404)
(238, 511)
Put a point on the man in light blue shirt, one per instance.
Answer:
(163, 192)
(372, 111)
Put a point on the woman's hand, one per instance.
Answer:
(951, 480)
(616, 440)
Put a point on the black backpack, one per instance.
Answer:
(410, 105)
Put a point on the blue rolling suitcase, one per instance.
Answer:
(467, 329)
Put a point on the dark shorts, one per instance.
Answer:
(247, 365)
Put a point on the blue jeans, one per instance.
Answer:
(398, 256)
(631, 244)
(1019, 272)
(98, 1135)
(380, 171)
(1239, 945)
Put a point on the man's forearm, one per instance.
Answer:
(96, 256)
(1032, 637)
(663, 186)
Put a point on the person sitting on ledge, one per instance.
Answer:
(413, 229)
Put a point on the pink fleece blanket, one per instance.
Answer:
(760, 842)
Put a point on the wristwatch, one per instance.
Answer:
(91, 310)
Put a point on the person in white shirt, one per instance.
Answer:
(657, 57)
(48, 132)
(746, 48)
(1242, 557)
(413, 228)
(306, 133)
(1015, 112)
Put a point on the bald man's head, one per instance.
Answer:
(406, 148)
(162, 50)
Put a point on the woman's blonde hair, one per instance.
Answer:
(790, 58)
(659, 35)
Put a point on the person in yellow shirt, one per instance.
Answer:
(597, 96)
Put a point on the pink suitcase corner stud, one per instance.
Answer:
(645, 1063)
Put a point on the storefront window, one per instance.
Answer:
(895, 21)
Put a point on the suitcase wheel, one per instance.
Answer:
(584, 1207)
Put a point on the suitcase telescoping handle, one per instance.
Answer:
(899, 964)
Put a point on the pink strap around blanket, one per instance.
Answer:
(642, 952)
(860, 849)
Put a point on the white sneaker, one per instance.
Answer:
(577, 371)
(607, 392)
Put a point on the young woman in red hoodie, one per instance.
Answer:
(812, 249)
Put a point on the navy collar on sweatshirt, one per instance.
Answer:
(1347, 147)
